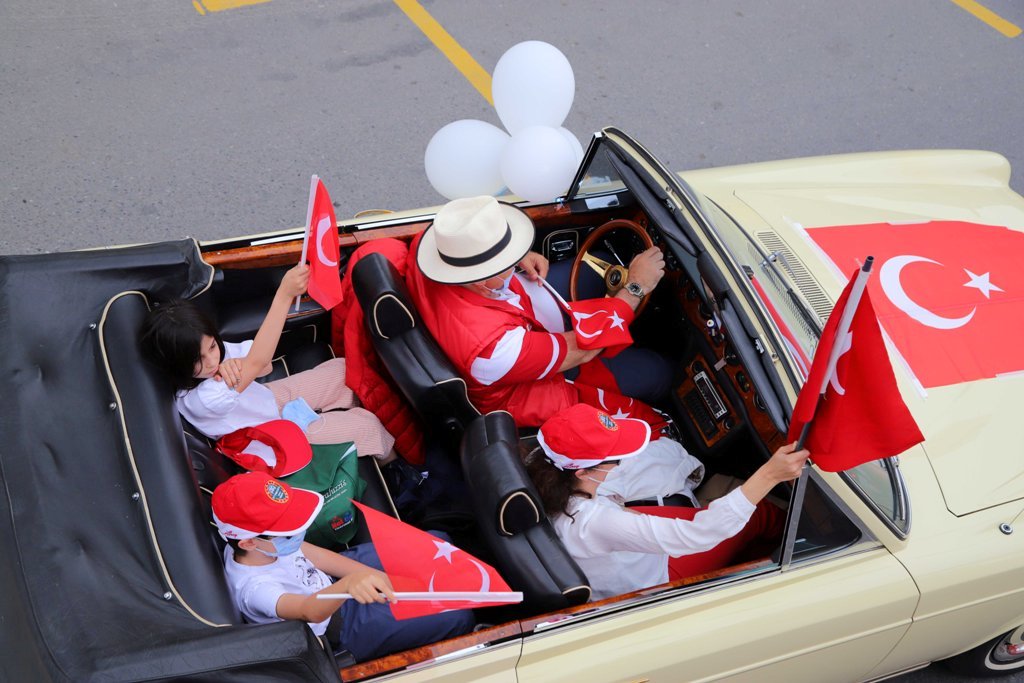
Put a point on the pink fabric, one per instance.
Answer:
(323, 388)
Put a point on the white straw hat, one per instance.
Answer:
(472, 239)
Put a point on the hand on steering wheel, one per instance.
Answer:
(646, 268)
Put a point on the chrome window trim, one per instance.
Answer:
(901, 498)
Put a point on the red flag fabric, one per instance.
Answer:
(861, 416)
(323, 251)
(596, 386)
(949, 294)
(417, 561)
(602, 323)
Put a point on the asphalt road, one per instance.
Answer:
(152, 119)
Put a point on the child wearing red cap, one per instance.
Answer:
(274, 575)
(583, 487)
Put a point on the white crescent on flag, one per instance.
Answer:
(580, 317)
(845, 345)
(322, 228)
(889, 277)
(485, 579)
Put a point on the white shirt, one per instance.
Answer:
(256, 589)
(621, 551)
(514, 353)
(216, 409)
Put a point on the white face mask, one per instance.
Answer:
(503, 292)
(609, 474)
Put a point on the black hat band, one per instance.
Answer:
(483, 257)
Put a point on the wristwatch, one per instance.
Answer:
(635, 289)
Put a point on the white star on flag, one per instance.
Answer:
(445, 550)
(616, 320)
(981, 283)
(619, 414)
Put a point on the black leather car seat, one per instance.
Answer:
(527, 552)
(418, 366)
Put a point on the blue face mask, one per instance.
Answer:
(284, 545)
(299, 412)
(504, 292)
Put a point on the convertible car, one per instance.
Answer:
(111, 570)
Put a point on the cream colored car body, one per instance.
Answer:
(885, 604)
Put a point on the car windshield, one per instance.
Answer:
(770, 275)
(878, 482)
(600, 182)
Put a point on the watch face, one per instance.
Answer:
(635, 289)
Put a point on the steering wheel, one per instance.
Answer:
(615, 276)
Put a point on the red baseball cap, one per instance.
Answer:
(256, 504)
(277, 447)
(582, 436)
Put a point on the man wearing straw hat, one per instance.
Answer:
(504, 330)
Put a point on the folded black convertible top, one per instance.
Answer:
(84, 596)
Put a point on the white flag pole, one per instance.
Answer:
(554, 292)
(430, 596)
(842, 329)
(847, 319)
(314, 179)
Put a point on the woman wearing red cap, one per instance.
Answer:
(584, 487)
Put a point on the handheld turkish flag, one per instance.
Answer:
(850, 410)
(415, 561)
(602, 324)
(950, 294)
(322, 232)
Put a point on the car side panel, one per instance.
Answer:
(495, 664)
(834, 620)
(970, 573)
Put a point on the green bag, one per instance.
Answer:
(333, 473)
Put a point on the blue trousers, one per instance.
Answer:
(640, 373)
(370, 631)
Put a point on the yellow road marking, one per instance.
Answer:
(1008, 29)
(221, 5)
(456, 54)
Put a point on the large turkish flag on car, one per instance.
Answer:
(857, 411)
(323, 250)
(416, 561)
(949, 294)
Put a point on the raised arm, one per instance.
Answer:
(264, 344)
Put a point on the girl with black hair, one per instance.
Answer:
(588, 465)
(215, 380)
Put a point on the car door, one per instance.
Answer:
(833, 614)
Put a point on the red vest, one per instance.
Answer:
(464, 325)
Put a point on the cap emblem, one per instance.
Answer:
(276, 492)
(607, 422)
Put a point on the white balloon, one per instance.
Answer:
(577, 148)
(532, 85)
(538, 163)
(463, 159)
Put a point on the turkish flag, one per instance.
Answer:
(323, 251)
(861, 416)
(950, 294)
(596, 386)
(418, 562)
(602, 324)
